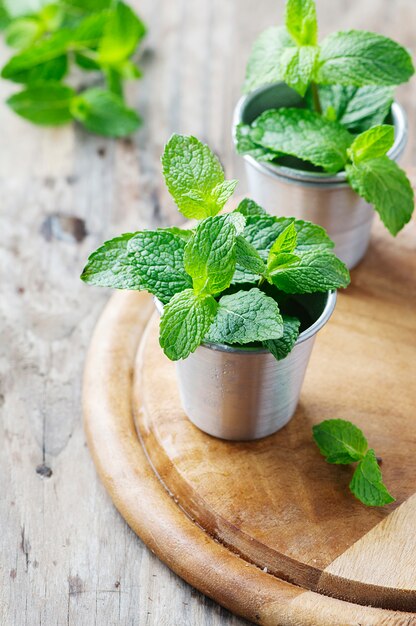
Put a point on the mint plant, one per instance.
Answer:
(230, 278)
(97, 36)
(341, 442)
(346, 83)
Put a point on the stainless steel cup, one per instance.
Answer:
(317, 197)
(245, 393)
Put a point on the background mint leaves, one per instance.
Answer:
(97, 35)
(194, 177)
(341, 442)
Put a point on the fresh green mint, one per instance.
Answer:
(98, 36)
(227, 279)
(341, 442)
(347, 84)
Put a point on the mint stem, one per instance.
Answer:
(316, 100)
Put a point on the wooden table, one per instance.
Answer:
(67, 557)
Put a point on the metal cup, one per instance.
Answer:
(308, 195)
(244, 393)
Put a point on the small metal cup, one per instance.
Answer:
(308, 195)
(242, 394)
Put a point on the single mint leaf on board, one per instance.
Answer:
(263, 65)
(358, 58)
(303, 134)
(245, 145)
(367, 483)
(249, 207)
(244, 317)
(316, 271)
(46, 104)
(340, 441)
(185, 322)
(194, 177)
(111, 266)
(104, 113)
(373, 143)
(301, 22)
(210, 255)
(297, 66)
(280, 348)
(159, 255)
(122, 33)
(383, 184)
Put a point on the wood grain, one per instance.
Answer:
(67, 557)
(157, 515)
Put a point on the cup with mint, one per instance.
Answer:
(242, 295)
(320, 131)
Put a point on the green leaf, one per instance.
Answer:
(46, 104)
(280, 348)
(316, 271)
(303, 134)
(367, 484)
(30, 64)
(286, 241)
(89, 31)
(249, 262)
(298, 66)
(210, 255)
(88, 6)
(361, 58)
(23, 32)
(263, 66)
(194, 177)
(301, 22)
(86, 60)
(146, 260)
(383, 184)
(104, 113)
(373, 143)
(185, 321)
(340, 441)
(122, 34)
(111, 266)
(245, 317)
(249, 207)
(311, 237)
(245, 145)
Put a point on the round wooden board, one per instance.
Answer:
(268, 529)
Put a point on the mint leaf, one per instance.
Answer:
(264, 61)
(210, 255)
(367, 484)
(301, 23)
(373, 143)
(249, 207)
(249, 265)
(111, 266)
(194, 177)
(185, 322)
(297, 66)
(383, 184)
(303, 134)
(23, 32)
(104, 113)
(285, 242)
(359, 58)
(311, 237)
(245, 145)
(316, 271)
(159, 255)
(88, 31)
(280, 348)
(122, 33)
(146, 260)
(45, 104)
(246, 316)
(340, 441)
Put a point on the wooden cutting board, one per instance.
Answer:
(268, 529)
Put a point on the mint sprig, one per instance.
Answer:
(341, 442)
(97, 35)
(217, 281)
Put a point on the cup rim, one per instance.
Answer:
(315, 178)
(303, 336)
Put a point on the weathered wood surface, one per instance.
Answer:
(66, 556)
